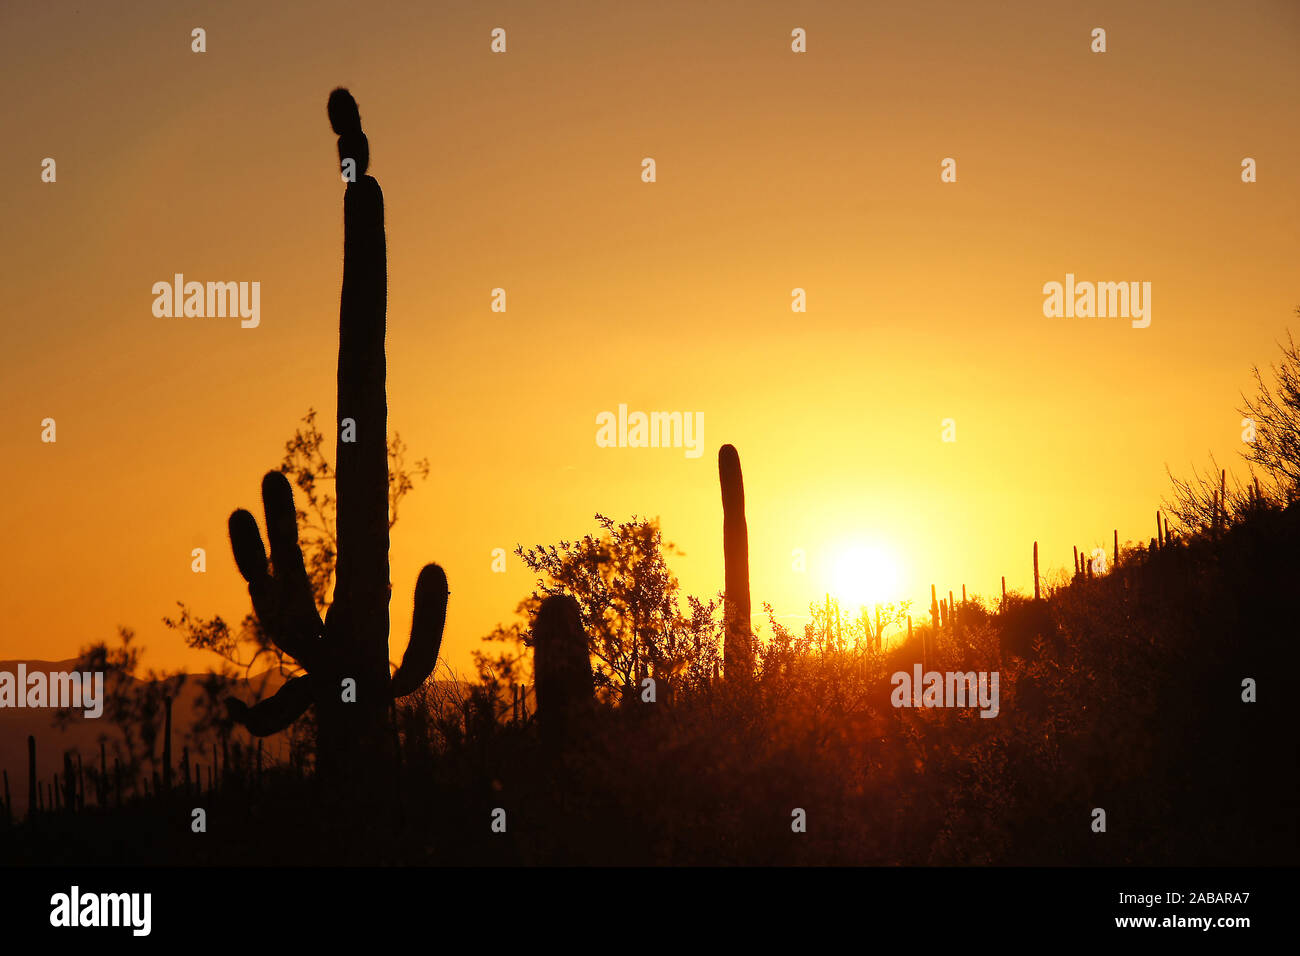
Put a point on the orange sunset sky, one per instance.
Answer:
(775, 170)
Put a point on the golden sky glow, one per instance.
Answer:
(522, 171)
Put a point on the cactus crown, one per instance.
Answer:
(345, 120)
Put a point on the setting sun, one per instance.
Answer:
(863, 575)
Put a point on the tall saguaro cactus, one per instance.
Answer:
(346, 656)
(737, 651)
(1037, 592)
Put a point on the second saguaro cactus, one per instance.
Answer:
(346, 656)
(1037, 593)
(737, 648)
(562, 663)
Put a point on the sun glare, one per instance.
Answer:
(865, 575)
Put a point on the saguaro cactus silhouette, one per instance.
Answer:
(562, 662)
(32, 791)
(167, 742)
(69, 784)
(346, 656)
(737, 651)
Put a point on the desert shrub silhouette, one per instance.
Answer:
(1134, 706)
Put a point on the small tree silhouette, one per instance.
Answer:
(134, 701)
(1275, 410)
(629, 605)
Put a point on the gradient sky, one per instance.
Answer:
(522, 171)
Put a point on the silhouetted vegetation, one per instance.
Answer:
(668, 730)
(1130, 702)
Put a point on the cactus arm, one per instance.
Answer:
(283, 602)
(276, 712)
(302, 623)
(250, 556)
(426, 631)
